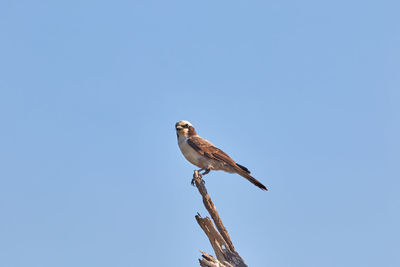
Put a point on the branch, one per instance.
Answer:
(220, 241)
(210, 261)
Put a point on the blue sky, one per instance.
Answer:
(303, 93)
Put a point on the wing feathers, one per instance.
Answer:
(194, 145)
(208, 150)
(243, 168)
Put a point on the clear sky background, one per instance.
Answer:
(306, 94)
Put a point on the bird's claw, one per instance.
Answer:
(197, 176)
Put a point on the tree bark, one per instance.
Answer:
(219, 238)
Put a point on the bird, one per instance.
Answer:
(206, 156)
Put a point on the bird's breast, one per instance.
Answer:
(192, 155)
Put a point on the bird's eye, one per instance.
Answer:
(186, 125)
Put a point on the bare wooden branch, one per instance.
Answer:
(211, 209)
(223, 247)
(216, 240)
(210, 261)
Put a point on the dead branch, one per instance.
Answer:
(210, 261)
(223, 247)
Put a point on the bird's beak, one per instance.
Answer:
(179, 128)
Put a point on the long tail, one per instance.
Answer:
(243, 171)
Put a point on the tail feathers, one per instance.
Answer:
(255, 182)
(243, 168)
(243, 171)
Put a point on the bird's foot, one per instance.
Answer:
(197, 176)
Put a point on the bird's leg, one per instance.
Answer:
(202, 169)
(206, 171)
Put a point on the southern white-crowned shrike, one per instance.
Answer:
(206, 156)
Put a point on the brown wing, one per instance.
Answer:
(208, 150)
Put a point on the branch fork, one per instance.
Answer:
(219, 238)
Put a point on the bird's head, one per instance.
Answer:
(184, 128)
